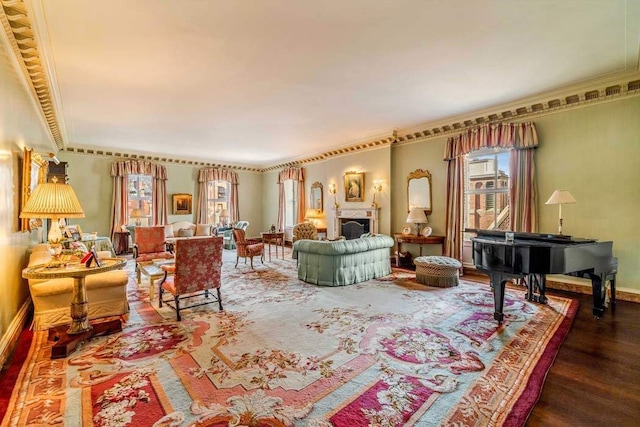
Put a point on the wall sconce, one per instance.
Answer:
(333, 190)
(377, 187)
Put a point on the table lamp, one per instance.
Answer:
(224, 216)
(53, 200)
(312, 215)
(138, 214)
(417, 216)
(560, 197)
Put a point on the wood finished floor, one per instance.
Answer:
(595, 379)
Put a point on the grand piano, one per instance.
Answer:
(531, 256)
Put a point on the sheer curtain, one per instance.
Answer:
(297, 174)
(211, 174)
(120, 199)
(522, 139)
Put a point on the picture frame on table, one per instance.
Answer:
(73, 231)
(354, 187)
(182, 203)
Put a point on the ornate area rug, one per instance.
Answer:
(387, 352)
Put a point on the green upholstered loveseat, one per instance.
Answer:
(343, 262)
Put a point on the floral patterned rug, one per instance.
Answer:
(386, 352)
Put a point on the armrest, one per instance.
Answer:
(169, 268)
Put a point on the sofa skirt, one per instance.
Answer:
(343, 269)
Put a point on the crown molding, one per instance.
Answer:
(19, 31)
(579, 95)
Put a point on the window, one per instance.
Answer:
(487, 190)
(140, 198)
(291, 202)
(218, 202)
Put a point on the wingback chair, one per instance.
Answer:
(305, 230)
(247, 248)
(197, 270)
(149, 245)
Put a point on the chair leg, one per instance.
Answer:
(177, 300)
(237, 259)
(251, 258)
(160, 295)
(138, 272)
(219, 298)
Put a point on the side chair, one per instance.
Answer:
(149, 245)
(247, 248)
(196, 272)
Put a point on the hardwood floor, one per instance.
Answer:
(595, 379)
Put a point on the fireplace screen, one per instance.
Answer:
(353, 228)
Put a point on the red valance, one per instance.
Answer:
(498, 135)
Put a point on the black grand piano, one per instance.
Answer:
(531, 256)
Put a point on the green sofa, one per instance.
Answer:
(343, 262)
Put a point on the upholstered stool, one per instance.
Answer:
(437, 271)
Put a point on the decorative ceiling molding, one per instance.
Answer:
(577, 96)
(19, 31)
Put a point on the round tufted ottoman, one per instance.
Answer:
(440, 271)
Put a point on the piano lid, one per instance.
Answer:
(538, 237)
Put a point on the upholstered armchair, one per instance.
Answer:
(149, 245)
(247, 248)
(197, 271)
(305, 230)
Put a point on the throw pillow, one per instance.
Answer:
(185, 232)
(78, 246)
(168, 231)
(203, 230)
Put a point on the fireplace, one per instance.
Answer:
(352, 223)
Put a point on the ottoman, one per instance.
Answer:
(437, 271)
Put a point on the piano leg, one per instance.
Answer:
(498, 283)
(536, 288)
(598, 294)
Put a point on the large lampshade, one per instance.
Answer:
(311, 215)
(53, 200)
(138, 213)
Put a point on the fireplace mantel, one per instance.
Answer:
(356, 213)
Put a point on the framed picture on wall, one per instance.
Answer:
(182, 204)
(354, 187)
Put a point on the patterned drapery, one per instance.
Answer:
(522, 138)
(212, 174)
(120, 199)
(296, 174)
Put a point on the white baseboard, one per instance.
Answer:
(10, 338)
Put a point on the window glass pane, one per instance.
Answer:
(487, 190)
(140, 189)
(218, 193)
(291, 204)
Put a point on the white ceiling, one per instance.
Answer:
(261, 82)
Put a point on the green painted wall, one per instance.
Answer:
(19, 127)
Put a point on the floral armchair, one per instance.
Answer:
(305, 230)
(197, 271)
(247, 248)
(149, 245)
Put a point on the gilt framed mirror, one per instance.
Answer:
(419, 190)
(34, 172)
(316, 199)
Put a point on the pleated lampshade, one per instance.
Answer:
(52, 200)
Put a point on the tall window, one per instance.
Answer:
(140, 198)
(487, 189)
(218, 193)
(291, 202)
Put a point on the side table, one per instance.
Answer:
(121, 242)
(80, 328)
(276, 237)
(417, 240)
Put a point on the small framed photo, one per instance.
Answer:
(73, 231)
(182, 204)
(354, 187)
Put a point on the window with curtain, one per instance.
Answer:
(140, 198)
(218, 197)
(291, 202)
(486, 190)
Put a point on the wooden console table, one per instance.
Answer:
(416, 240)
